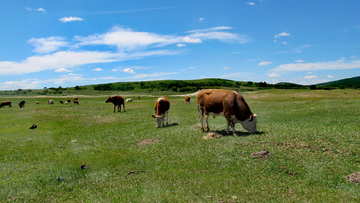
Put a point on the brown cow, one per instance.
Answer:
(5, 103)
(219, 102)
(76, 98)
(76, 102)
(162, 106)
(187, 99)
(36, 102)
(69, 100)
(139, 97)
(22, 104)
(117, 101)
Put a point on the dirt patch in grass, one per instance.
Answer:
(147, 142)
(354, 178)
(104, 119)
(198, 125)
(263, 154)
(211, 136)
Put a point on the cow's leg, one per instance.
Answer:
(201, 116)
(119, 108)
(124, 106)
(227, 127)
(167, 118)
(207, 122)
(229, 121)
(114, 108)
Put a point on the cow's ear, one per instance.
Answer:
(255, 115)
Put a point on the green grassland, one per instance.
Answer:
(312, 135)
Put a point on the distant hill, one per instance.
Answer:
(344, 83)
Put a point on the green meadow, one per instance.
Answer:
(313, 137)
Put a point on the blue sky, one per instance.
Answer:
(69, 43)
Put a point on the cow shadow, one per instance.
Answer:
(239, 133)
(170, 125)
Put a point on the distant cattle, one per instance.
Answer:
(162, 106)
(5, 103)
(22, 103)
(139, 97)
(36, 102)
(61, 102)
(50, 101)
(76, 102)
(187, 99)
(76, 98)
(69, 100)
(219, 102)
(129, 100)
(117, 101)
(85, 102)
(66, 102)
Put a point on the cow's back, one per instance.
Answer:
(212, 100)
(162, 105)
(118, 100)
(234, 104)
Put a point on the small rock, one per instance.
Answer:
(73, 140)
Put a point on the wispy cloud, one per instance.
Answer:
(272, 75)
(69, 19)
(264, 63)
(282, 34)
(330, 76)
(310, 77)
(27, 8)
(181, 45)
(97, 69)
(294, 51)
(201, 19)
(285, 43)
(60, 70)
(299, 61)
(41, 9)
(250, 3)
(131, 11)
(153, 75)
(128, 70)
(47, 45)
(226, 67)
(354, 57)
(331, 65)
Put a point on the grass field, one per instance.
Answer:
(313, 138)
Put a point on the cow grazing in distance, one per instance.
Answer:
(139, 97)
(129, 100)
(76, 98)
(230, 104)
(187, 99)
(69, 100)
(61, 102)
(117, 101)
(162, 106)
(76, 102)
(66, 102)
(85, 102)
(50, 101)
(37, 102)
(5, 103)
(22, 103)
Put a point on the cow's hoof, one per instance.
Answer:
(202, 130)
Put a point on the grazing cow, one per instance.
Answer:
(22, 103)
(5, 103)
(76, 98)
(36, 102)
(129, 100)
(117, 101)
(69, 100)
(187, 99)
(61, 102)
(76, 102)
(50, 101)
(85, 102)
(226, 103)
(139, 97)
(66, 102)
(162, 106)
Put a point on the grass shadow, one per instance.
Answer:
(170, 125)
(239, 133)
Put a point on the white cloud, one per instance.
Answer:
(264, 63)
(330, 76)
(192, 67)
(47, 45)
(226, 67)
(181, 45)
(108, 78)
(299, 61)
(285, 43)
(24, 84)
(139, 76)
(282, 34)
(313, 81)
(114, 70)
(27, 8)
(331, 65)
(309, 72)
(69, 19)
(128, 70)
(354, 57)
(250, 3)
(41, 9)
(272, 75)
(60, 70)
(201, 19)
(97, 69)
(311, 77)
(275, 40)
(192, 40)
(295, 51)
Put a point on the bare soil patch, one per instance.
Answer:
(147, 142)
(260, 155)
(211, 136)
(198, 125)
(354, 178)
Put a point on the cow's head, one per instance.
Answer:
(109, 99)
(250, 123)
(159, 120)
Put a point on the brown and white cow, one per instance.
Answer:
(187, 99)
(230, 104)
(36, 102)
(129, 100)
(76, 102)
(50, 101)
(162, 106)
(5, 103)
(117, 101)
